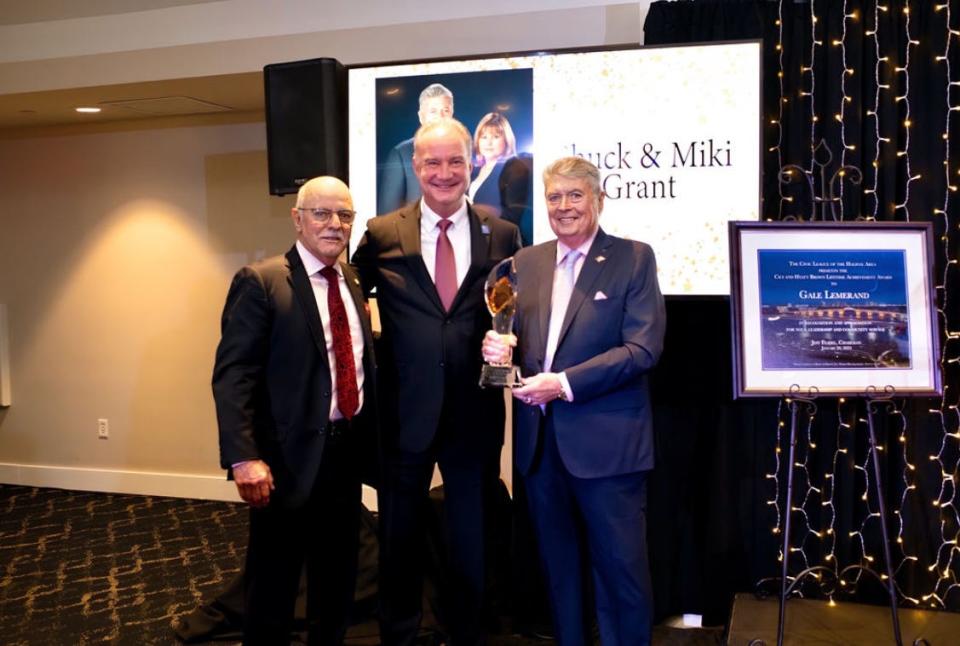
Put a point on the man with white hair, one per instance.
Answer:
(589, 326)
(293, 385)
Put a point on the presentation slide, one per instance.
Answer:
(675, 132)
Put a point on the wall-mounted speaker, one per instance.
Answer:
(306, 110)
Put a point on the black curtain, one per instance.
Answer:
(710, 524)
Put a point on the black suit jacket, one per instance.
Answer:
(431, 358)
(271, 379)
(397, 184)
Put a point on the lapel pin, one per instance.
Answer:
(484, 229)
(356, 280)
(601, 258)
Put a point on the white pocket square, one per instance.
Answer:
(599, 296)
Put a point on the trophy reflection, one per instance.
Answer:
(501, 296)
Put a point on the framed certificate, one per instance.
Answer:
(833, 308)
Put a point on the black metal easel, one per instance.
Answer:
(875, 401)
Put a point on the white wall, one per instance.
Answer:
(115, 257)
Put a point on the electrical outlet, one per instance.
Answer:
(103, 428)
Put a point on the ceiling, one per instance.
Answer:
(37, 113)
(19, 12)
(52, 112)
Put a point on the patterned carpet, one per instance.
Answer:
(82, 568)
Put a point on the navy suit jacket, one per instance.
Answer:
(431, 359)
(397, 184)
(271, 378)
(509, 191)
(612, 336)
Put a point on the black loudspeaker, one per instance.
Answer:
(306, 106)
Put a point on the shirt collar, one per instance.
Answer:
(430, 218)
(312, 264)
(584, 249)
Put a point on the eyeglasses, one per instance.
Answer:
(323, 216)
(574, 198)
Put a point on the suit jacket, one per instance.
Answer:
(509, 191)
(271, 380)
(397, 184)
(611, 337)
(431, 358)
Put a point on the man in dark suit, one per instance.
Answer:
(589, 328)
(294, 389)
(397, 183)
(428, 263)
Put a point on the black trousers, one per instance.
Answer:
(469, 485)
(323, 534)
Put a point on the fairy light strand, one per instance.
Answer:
(781, 102)
(875, 112)
(947, 413)
(907, 123)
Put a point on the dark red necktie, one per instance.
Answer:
(348, 399)
(445, 269)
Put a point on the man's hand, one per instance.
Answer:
(498, 348)
(538, 389)
(254, 482)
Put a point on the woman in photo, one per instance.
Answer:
(501, 180)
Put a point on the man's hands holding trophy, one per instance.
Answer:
(536, 390)
(501, 296)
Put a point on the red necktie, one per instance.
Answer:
(348, 398)
(445, 269)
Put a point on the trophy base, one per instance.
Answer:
(499, 376)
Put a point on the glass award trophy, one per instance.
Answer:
(501, 297)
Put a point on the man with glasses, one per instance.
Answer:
(293, 386)
(589, 328)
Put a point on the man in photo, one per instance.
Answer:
(428, 262)
(589, 329)
(397, 183)
(293, 384)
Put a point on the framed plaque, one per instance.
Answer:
(833, 308)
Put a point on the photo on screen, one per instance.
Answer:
(496, 106)
(674, 131)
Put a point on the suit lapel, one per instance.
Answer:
(593, 265)
(545, 266)
(353, 285)
(300, 283)
(408, 232)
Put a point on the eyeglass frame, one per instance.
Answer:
(323, 216)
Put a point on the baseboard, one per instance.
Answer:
(142, 483)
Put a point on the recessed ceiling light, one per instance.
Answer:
(87, 110)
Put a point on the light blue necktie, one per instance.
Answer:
(563, 281)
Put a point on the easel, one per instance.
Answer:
(875, 401)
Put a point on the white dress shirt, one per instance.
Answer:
(551, 349)
(320, 285)
(458, 232)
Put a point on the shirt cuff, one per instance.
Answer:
(562, 376)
